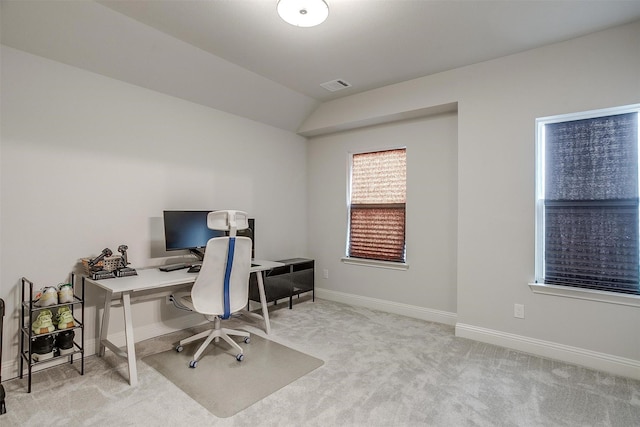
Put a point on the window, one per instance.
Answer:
(377, 200)
(587, 200)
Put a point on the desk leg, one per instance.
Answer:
(104, 327)
(128, 329)
(263, 303)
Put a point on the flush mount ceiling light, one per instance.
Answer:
(303, 13)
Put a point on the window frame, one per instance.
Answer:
(347, 259)
(539, 286)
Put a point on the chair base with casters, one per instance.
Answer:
(183, 302)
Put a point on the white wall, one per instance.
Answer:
(430, 282)
(70, 137)
(89, 162)
(498, 102)
(93, 37)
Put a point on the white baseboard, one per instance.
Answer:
(422, 313)
(615, 365)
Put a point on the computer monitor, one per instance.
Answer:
(187, 230)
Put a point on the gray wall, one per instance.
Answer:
(492, 177)
(89, 162)
(431, 217)
(73, 143)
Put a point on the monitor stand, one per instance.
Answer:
(198, 253)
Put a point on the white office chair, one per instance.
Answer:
(222, 286)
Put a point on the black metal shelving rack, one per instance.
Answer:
(26, 334)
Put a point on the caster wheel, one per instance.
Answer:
(179, 348)
(193, 364)
(247, 340)
(240, 357)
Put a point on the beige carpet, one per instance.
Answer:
(225, 386)
(379, 370)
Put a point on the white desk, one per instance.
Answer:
(154, 280)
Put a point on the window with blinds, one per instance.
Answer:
(378, 188)
(587, 218)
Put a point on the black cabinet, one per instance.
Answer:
(295, 277)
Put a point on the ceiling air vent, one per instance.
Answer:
(335, 85)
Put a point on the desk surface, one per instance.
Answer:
(152, 277)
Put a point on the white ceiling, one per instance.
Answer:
(373, 43)
(239, 56)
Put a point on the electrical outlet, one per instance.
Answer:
(325, 273)
(518, 311)
(168, 301)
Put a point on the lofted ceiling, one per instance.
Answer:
(368, 43)
(373, 43)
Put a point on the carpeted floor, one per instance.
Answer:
(380, 370)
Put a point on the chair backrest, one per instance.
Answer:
(225, 259)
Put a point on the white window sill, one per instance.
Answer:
(376, 263)
(587, 294)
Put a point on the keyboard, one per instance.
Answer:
(172, 267)
(182, 265)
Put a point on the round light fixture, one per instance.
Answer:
(303, 13)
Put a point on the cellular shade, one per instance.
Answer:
(378, 205)
(591, 203)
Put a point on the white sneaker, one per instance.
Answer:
(46, 297)
(65, 293)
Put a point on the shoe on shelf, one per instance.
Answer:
(42, 348)
(65, 293)
(64, 342)
(43, 323)
(55, 317)
(46, 297)
(64, 318)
